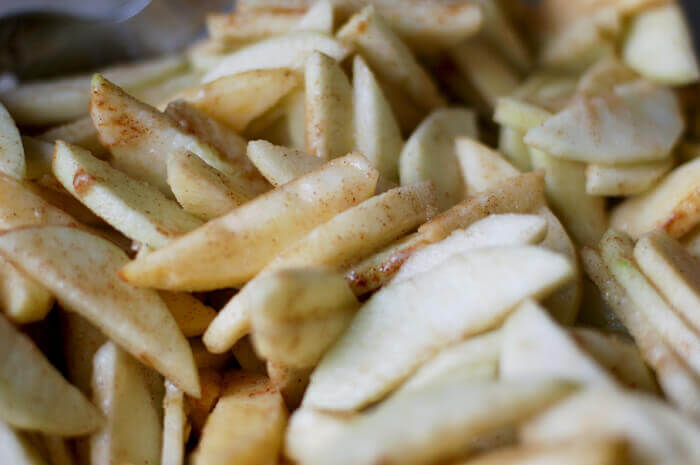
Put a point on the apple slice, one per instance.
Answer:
(33, 393)
(534, 345)
(12, 160)
(174, 426)
(440, 421)
(469, 301)
(617, 250)
(678, 382)
(429, 154)
(17, 449)
(674, 272)
(65, 259)
(285, 51)
(624, 180)
(231, 249)
(132, 433)
(638, 122)
(328, 108)
(319, 17)
(482, 167)
(247, 425)
(673, 205)
(280, 164)
(137, 209)
(655, 432)
(377, 133)
(659, 46)
(237, 99)
(390, 58)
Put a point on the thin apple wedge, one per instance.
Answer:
(299, 313)
(328, 108)
(65, 259)
(80, 132)
(34, 395)
(174, 426)
(390, 58)
(251, 26)
(438, 422)
(638, 122)
(22, 299)
(655, 432)
(659, 46)
(617, 250)
(368, 345)
(132, 432)
(135, 208)
(278, 164)
(377, 133)
(429, 154)
(247, 425)
(320, 17)
(534, 345)
(471, 359)
(517, 114)
(492, 231)
(191, 315)
(602, 77)
(584, 215)
(309, 431)
(140, 138)
(202, 190)
(12, 160)
(678, 382)
(624, 180)
(285, 51)
(237, 99)
(673, 271)
(673, 205)
(230, 250)
(344, 239)
(482, 167)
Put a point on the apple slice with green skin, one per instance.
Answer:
(34, 395)
(231, 249)
(674, 272)
(534, 345)
(618, 253)
(132, 432)
(472, 292)
(64, 260)
(137, 209)
(285, 51)
(328, 108)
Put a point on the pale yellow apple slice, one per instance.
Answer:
(672, 205)
(230, 250)
(34, 395)
(280, 164)
(65, 259)
(624, 180)
(405, 315)
(132, 432)
(429, 154)
(174, 426)
(328, 108)
(136, 209)
(390, 58)
(377, 133)
(247, 425)
(12, 160)
(285, 51)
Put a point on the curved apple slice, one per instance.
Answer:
(11, 151)
(34, 395)
(80, 269)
